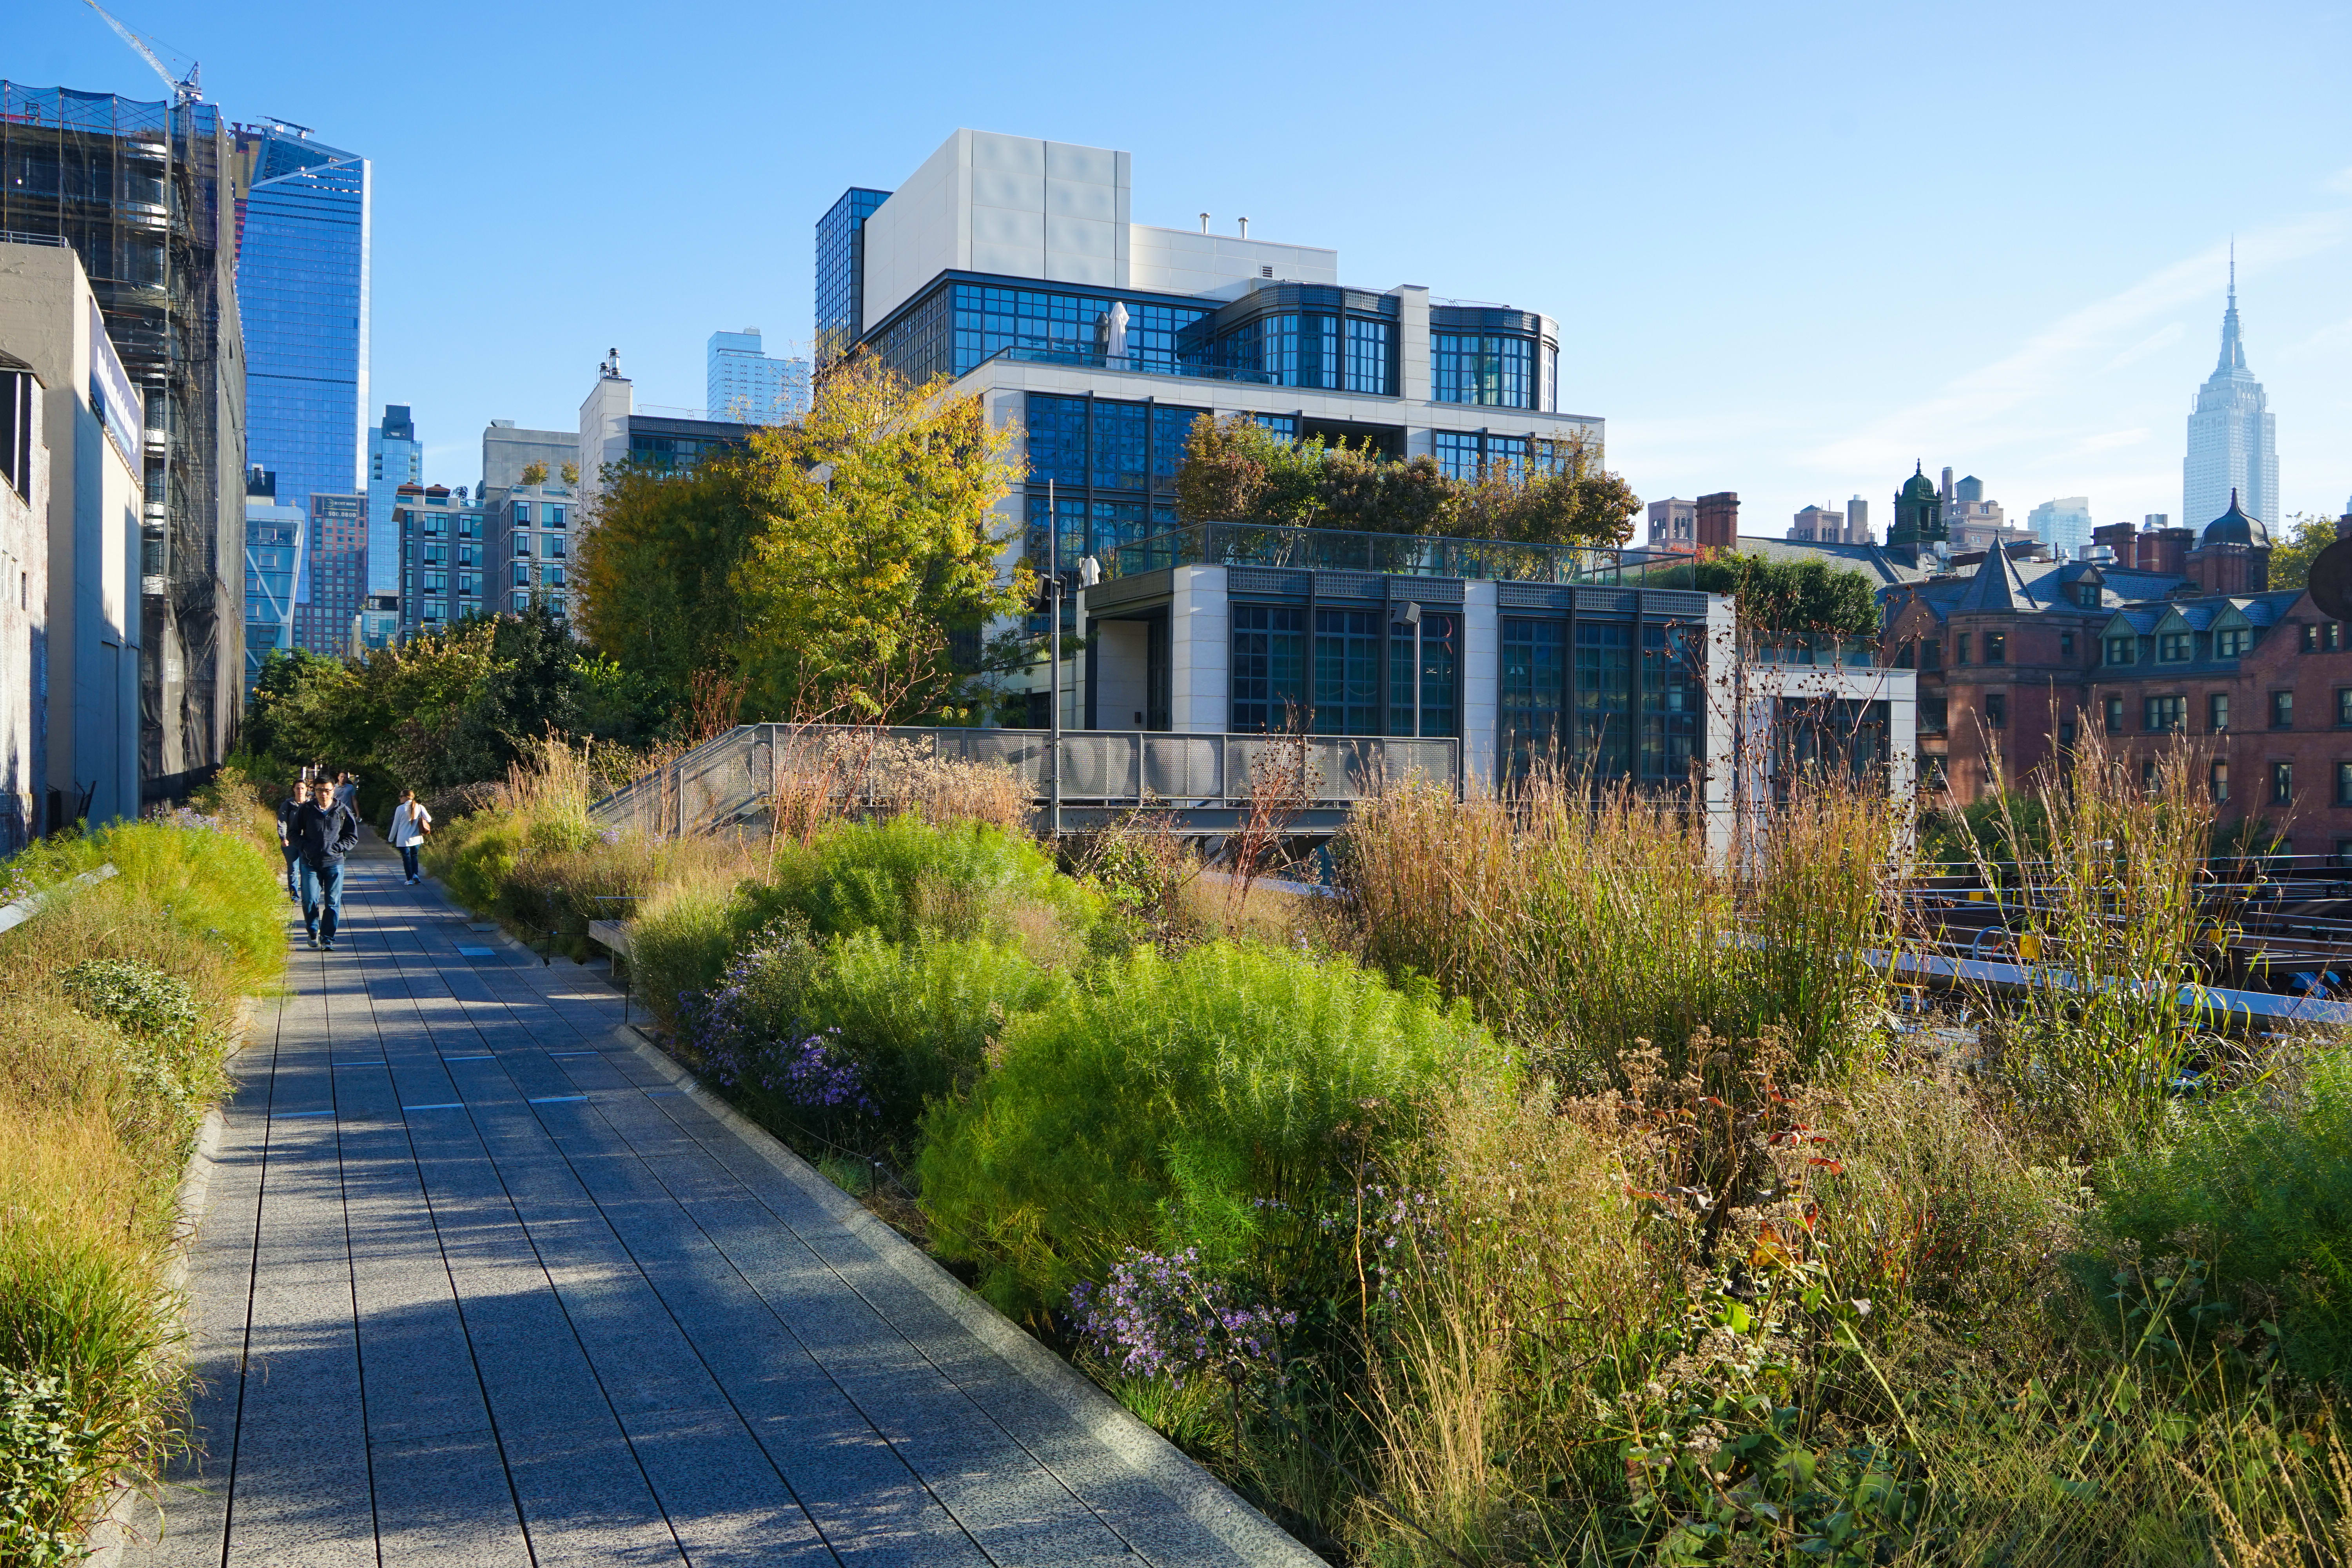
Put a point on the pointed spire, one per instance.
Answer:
(2233, 347)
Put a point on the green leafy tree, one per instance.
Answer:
(531, 688)
(876, 541)
(2296, 545)
(1237, 471)
(292, 718)
(1780, 597)
(657, 570)
(534, 473)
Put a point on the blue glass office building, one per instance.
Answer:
(841, 270)
(303, 227)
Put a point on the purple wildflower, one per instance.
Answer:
(739, 1051)
(1158, 1315)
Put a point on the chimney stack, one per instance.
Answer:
(1718, 525)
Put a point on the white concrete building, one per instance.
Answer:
(24, 603)
(92, 427)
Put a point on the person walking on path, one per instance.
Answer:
(324, 830)
(347, 791)
(410, 823)
(286, 808)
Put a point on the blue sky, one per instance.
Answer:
(1792, 248)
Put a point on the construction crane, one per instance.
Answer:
(184, 90)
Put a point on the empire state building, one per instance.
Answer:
(2233, 438)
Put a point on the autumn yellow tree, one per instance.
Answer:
(880, 539)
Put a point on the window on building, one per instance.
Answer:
(435, 526)
(555, 546)
(2066, 731)
(2343, 784)
(2217, 782)
(1371, 348)
(555, 603)
(523, 545)
(2165, 714)
(469, 555)
(1906, 655)
(2217, 711)
(2114, 715)
(555, 517)
(2344, 707)
(436, 555)
(2123, 650)
(551, 576)
(521, 600)
(522, 573)
(1995, 647)
(1440, 650)
(2309, 639)
(2231, 642)
(1996, 710)
(1931, 655)
(2173, 647)
(2331, 637)
(2086, 595)
(1347, 672)
(469, 583)
(1934, 715)
(1961, 648)
(523, 511)
(1489, 369)
(437, 581)
(2281, 709)
(1269, 666)
(2148, 774)
(2282, 783)
(2065, 645)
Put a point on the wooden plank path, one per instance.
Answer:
(482, 1280)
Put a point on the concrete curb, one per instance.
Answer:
(1187, 1485)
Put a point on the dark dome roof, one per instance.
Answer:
(2236, 526)
(1918, 487)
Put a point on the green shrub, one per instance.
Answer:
(475, 856)
(212, 882)
(679, 941)
(2258, 1187)
(137, 998)
(904, 876)
(912, 1022)
(1164, 1102)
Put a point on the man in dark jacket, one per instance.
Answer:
(324, 831)
(294, 802)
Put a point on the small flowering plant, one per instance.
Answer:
(1163, 1315)
(748, 1031)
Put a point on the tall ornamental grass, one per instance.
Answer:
(2099, 865)
(1580, 927)
(118, 1006)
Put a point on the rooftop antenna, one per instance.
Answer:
(184, 90)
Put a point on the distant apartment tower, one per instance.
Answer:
(611, 432)
(377, 626)
(1857, 522)
(335, 568)
(302, 280)
(530, 546)
(742, 384)
(142, 193)
(273, 537)
(395, 457)
(442, 554)
(2064, 525)
(2233, 438)
(1673, 522)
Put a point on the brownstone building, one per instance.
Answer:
(2158, 633)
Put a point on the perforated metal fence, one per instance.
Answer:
(733, 779)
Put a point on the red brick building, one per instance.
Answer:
(2160, 634)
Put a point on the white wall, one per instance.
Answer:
(1482, 679)
(1122, 679)
(1186, 261)
(990, 202)
(1200, 651)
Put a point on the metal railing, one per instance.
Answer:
(731, 780)
(1391, 554)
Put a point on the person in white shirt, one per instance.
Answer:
(410, 823)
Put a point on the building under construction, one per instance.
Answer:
(142, 193)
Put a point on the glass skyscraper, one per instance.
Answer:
(274, 547)
(841, 271)
(303, 229)
(395, 457)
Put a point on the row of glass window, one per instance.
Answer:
(1561, 701)
(551, 546)
(551, 515)
(1106, 443)
(2282, 782)
(1474, 454)
(2169, 713)
(1350, 353)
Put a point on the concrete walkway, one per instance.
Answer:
(480, 1280)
